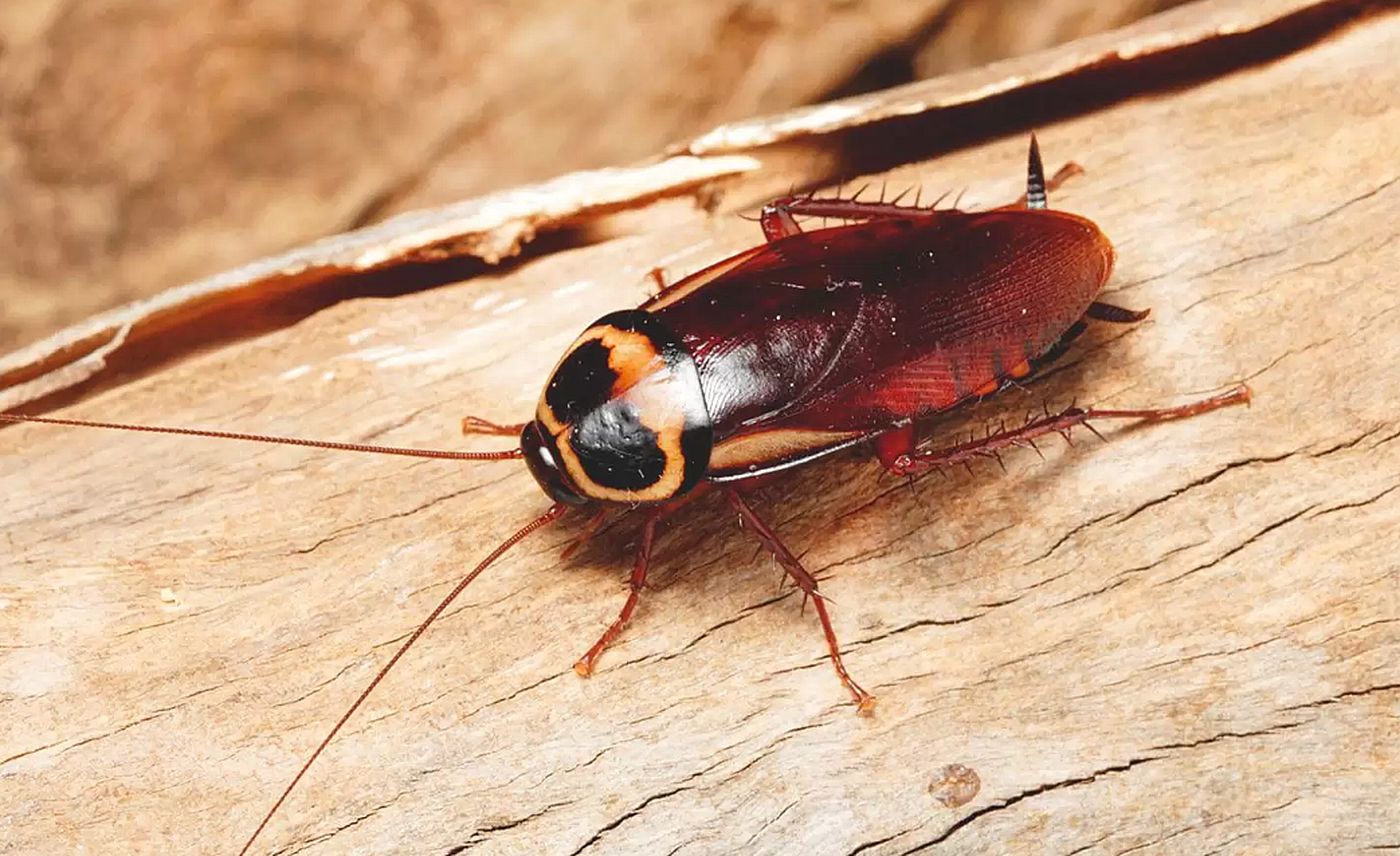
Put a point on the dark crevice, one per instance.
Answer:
(1152, 753)
(1153, 842)
(893, 65)
(326, 836)
(631, 813)
(482, 832)
(687, 783)
(824, 660)
(1348, 444)
(768, 823)
(362, 524)
(1342, 696)
(914, 625)
(1200, 482)
(871, 845)
(1353, 200)
(275, 304)
(1087, 846)
(1291, 352)
(1360, 503)
(1060, 542)
(1226, 843)
(884, 145)
(1028, 794)
(1230, 735)
(283, 301)
(1243, 260)
(1126, 574)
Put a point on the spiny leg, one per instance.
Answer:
(584, 666)
(865, 702)
(914, 462)
(779, 217)
(477, 425)
(776, 219)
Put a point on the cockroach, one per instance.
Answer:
(807, 344)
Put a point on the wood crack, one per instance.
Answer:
(1242, 545)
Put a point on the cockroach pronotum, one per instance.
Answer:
(807, 344)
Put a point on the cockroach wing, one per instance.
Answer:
(815, 341)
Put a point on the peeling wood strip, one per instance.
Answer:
(1186, 26)
(490, 228)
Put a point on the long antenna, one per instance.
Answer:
(554, 513)
(262, 438)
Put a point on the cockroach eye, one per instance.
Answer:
(540, 459)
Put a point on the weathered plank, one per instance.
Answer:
(147, 142)
(1183, 640)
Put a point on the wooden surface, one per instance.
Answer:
(148, 142)
(1182, 641)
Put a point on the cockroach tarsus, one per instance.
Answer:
(723, 380)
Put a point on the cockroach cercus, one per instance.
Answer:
(809, 343)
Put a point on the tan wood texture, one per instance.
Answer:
(147, 142)
(1183, 640)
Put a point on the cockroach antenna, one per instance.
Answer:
(469, 425)
(554, 513)
(508, 454)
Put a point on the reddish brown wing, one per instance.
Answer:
(818, 340)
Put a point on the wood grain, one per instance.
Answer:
(1179, 641)
(145, 143)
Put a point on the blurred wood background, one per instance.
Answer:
(144, 143)
(1185, 640)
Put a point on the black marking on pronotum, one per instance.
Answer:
(583, 382)
(616, 450)
(625, 405)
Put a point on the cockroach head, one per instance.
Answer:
(623, 417)
(545, 468)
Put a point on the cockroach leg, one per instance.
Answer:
(584, 666)
(476, 425)
(894, 444)
(1063, 174)
(1100, 311)
(1059, 423)
(778, 217)
(658, 276)
(865, 702)
(777, 220)
(586, 534)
